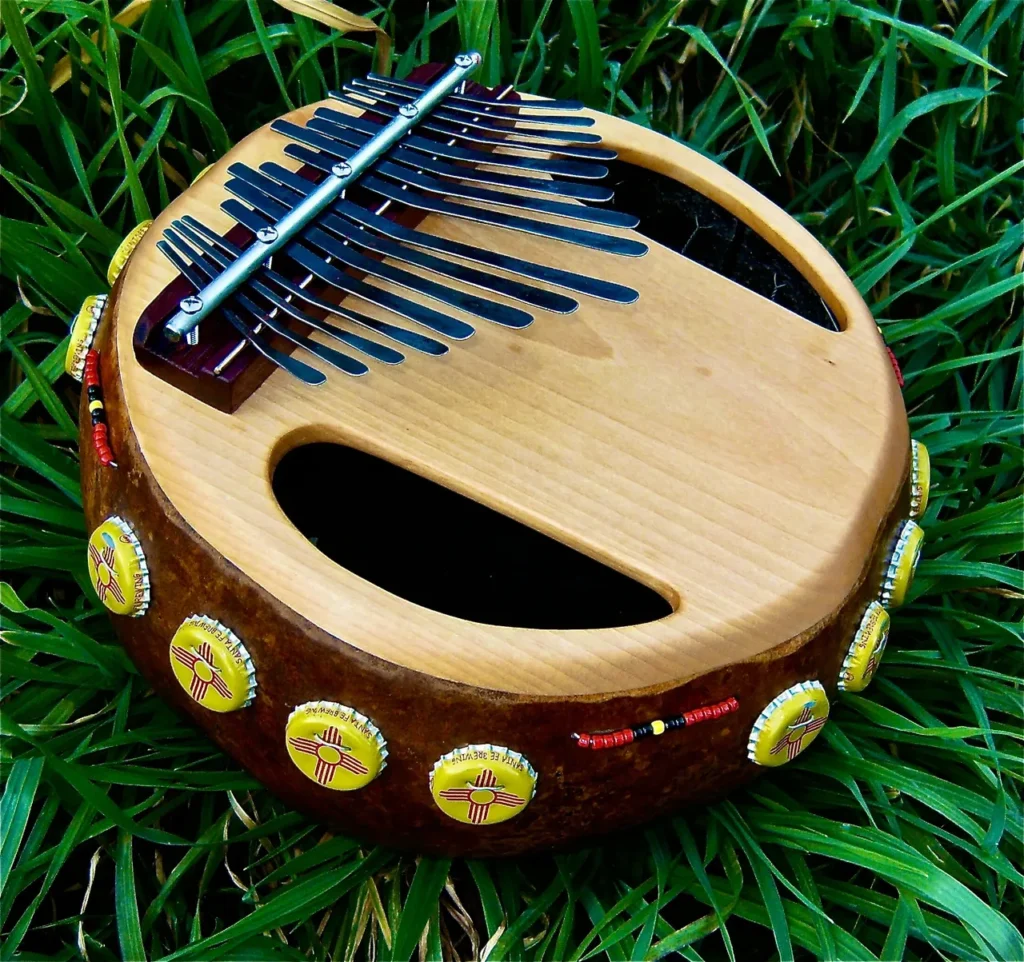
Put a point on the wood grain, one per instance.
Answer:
(709, 443)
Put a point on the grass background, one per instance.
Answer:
(893, 131)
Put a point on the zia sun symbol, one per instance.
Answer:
(483, 792)
(804, 725)
(331, 754)
(205, 673)
(106, 570)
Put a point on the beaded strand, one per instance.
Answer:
(94, 392)
(895, 366)
(657, 727)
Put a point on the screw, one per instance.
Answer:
(267, 235)
(408, 110)
(341, 169)
(467, 59)
(192, 304)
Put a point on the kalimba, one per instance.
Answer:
(483, 472)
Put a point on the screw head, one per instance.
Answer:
(192, 304)
(266, 235)
(341, 169)
(467, 59)
(408, 110)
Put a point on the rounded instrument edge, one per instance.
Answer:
(578, 793)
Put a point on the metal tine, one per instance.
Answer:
(454, 104)
(412, 340)
(475, 118)
(305, 373)
(563, 188)
(481, 101)
(610, 243)
(379, 352)
(273, 200)
(541, 165)
(420, 161)
(581, 283)
(344, 363)
(580, 212)
(301, 370)
(461, 131)
(574, 235)
(411, 310)
(538, 297)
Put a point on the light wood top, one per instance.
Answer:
(706, 441)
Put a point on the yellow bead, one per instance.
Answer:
(902, 563)
(658, 727)
(117, 568)
(334, 745)
(788, 724)
(865, 652)
(83, 333)
(124, 250)
(212, 665)
(482, 784)
(920, 478)
(95, 405)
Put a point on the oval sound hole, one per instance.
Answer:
(439, 549)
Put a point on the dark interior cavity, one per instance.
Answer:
(436, 548)
(686, 221)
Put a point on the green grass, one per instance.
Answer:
(893, 132)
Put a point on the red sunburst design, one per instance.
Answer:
(325, 769)
(198, 687)
(801, 728)
(478, 810)
(106, 572)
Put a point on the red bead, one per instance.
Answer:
(895, 366)
(705, 712)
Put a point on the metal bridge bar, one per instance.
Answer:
(195, 307)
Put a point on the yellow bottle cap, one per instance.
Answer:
(902, 563)
(198, 177)
(482, 784)
(920, 478)
(334, 745)
(117, 568)
(83, 333)
(866, 649)
(789, 723)
(212, 665)
(124, 250)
